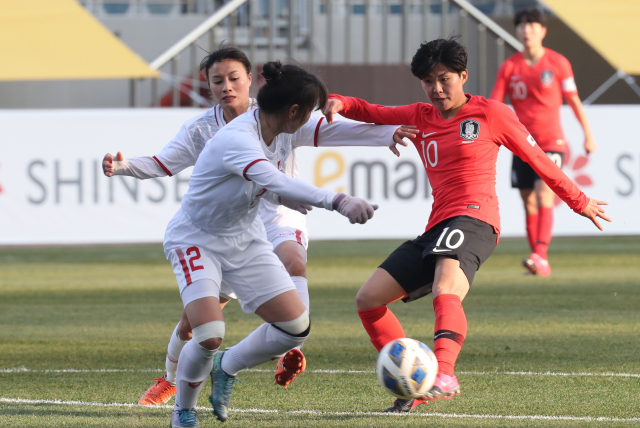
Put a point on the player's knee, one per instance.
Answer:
(297, 267)
(365, 299)
(184, 331)
(209, 335)
(299, 328)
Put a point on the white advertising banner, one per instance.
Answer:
(52, 190)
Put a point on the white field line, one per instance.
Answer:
(318, 412)
(320, 371)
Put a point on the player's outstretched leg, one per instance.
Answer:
(221, 387)
(165, 387)
(450, 332)
(184, 418)
(290, 365)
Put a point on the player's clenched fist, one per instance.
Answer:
(357, 210)
(107, 163)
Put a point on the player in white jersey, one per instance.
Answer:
(229, 76)
(219, 229)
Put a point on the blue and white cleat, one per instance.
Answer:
(184, 418)
(221, 386)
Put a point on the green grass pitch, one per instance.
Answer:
(558, 351)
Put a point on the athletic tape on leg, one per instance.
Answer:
(296, 326)
(210, 330)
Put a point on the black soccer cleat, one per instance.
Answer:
(404, 406)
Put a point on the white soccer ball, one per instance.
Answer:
(407, 368)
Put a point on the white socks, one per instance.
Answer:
(193, 368)
(303, 289)
(263, 344)
(173, 352)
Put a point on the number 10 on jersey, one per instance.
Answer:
(430, 160)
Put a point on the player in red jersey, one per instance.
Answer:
(536, 80)
(458, 140)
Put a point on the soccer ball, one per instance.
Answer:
(407, 368)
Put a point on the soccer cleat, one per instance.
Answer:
(537, 265)
(184, 418)
(160, 393)
(290, 365)
(404, 406)
(221, 386)
(445, 387)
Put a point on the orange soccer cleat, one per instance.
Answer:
(160, 393)
(290, 365)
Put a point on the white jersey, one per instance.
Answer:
(230, 177)
(185, 148)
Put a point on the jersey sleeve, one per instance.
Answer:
(180, 153)
(509, 132)
(343, 133)
(242, 152)
(565, 75)
(499, 90)
(269, 177)
(307, 135)
(362, 111)
(141, 168)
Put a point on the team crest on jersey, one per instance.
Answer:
(546, 76)
(469, 129)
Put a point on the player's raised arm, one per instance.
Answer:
(317, 132)
(141, 168)
(509, 132)
(362, 111)
(179, 154)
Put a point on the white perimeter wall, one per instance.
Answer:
(53, 190)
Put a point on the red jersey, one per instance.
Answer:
(460, 154)
(536, 95)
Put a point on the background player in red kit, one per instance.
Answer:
(458, 139)
(535, 80)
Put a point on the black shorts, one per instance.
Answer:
(524, 177)
(413, 264)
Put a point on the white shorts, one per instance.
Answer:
(283, 224)
(278, 235)
(246, 263)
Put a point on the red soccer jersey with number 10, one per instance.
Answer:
(460, 154)
(536, 95)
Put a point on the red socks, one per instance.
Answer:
(450, 331)
(532, 229)
(381, 325)
(545, 229)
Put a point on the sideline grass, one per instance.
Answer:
(113, 307)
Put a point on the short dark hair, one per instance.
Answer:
(447, 52)
(531, 15)
(286, 85)
(226, 52)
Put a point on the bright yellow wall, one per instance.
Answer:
(59, 39)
